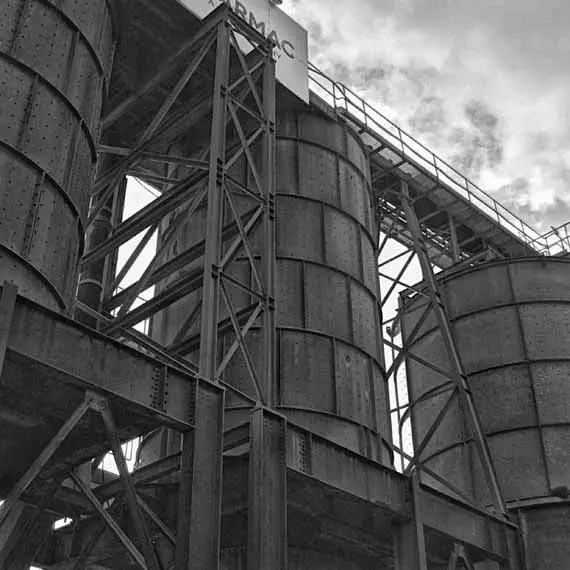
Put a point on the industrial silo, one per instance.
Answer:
(511, 320)
(330, 372)
(55, 60)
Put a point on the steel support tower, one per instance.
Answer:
(210, 106)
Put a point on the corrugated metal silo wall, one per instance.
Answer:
(54, 60)
(330, 370)
(512, 324)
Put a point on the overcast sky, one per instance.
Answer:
(484, 83)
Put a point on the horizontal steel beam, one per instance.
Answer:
(73, 354)
(484, 533)
(350, 472)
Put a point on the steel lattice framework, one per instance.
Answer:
(208, 109)
(241, 111)
(236, 104)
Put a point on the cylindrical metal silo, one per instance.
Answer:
(330, 348)
(330, 372)
(55, 59)
(511, 320)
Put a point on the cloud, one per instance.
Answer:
(484, 84)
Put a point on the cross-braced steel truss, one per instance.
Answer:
(409, 273)
(199, 187)
(202, 133)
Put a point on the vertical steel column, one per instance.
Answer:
(133, 505)
(267, 514)
(213, 245)
(455, 251)
(409, 540)
(459, 376)
(200, 491)
(268, 177)
(95, 276)
(199, 503)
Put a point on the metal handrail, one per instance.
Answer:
(557, 240)
(342, 97)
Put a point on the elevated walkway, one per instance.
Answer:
(442, 194)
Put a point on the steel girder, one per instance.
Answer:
(211, 86)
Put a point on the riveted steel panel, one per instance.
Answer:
(546, 531)
(16, 84)
(286, 171)
(326, 288)
(341, 242)
(54, 64)
(354, 388)
(466, 296)
(519, 463)
(382, 403)
(547, 330)
(504, 398)
(364, 320)
(290, 299)
(355, 198)
(307, 371)
(328, 134)
(557, 451)
(511, 321)
(299, 229)
(552, 390)
(49, 247)
(355, 154)
(497, 342)
(327, 302)
(369, 264)
(432, 351)
(543, 279)
(318, 175)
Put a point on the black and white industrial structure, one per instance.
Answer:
(253, 357)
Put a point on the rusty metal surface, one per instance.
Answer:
(44, 379)
(54, 64)
(511, 321)
(330, 363)
(545, 533)
(331, 367)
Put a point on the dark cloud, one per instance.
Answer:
(478, 145)
(430, 116)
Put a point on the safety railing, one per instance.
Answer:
(554, 242)
(417, 159)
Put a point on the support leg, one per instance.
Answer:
(410, 545)
(29, 476)
(267, 518)
(110, 522)
(130, 494)
(200, 494)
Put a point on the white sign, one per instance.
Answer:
(290, 38)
